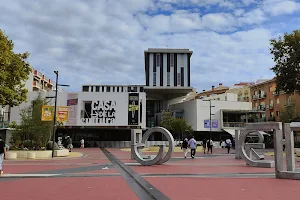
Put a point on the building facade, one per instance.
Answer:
(242, 90)
(214, 91)
(265, 98)
(37, 81)
(168, 67)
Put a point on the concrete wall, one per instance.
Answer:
(197, 111)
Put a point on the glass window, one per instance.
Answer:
(154, 78)
(157, 60)
(277, 100)
(172, 60)
(85, 88)
(168, 78)
(178, 79)
(107, 88)
(97, 88)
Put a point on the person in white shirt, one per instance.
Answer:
(193, 145)
(228, 145)
(82, 143)
(210, 145)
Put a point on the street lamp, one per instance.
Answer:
(55, 105)
(210, 122)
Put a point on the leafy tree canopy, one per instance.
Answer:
(32, 131)
(289, 114)
(173, 124)
(14, 71)
(286, 54)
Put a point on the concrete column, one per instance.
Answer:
(136, 137)
(289, 147)
(278, 149)
(237, 147)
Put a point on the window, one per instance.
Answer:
(168, 79)
(277, 100)
(129, 89)
(97, 88)
(107, 88)
(172, 60)
(134, 89)
(277, 113)
(182, 60)
(271, 114)
(85, 88)
(122, 89)
(178, 79)
(157, 60)
(271, 102)
(117, 89)
(102, 88)
(87, 109)
(141, 89)
(154, 78)
(92, 88)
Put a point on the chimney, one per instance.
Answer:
(203, 90)
(220, 84)
(212, 88)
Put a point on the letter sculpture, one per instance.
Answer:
(247, 152)
(160, 158)
(291, 172)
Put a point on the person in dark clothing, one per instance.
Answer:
(2, 154)
(184, 146)
(210, 144)
(69, 143)
(204, 145)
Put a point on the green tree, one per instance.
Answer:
(286, 54)
(14, 71)
(32, 131)
(289, 114)
(177, 126)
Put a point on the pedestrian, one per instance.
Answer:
(193, 145)
(184, 146)
(204, 145)
(69, 143)
(2, 154)
(228, 145)
(283, 144)
(82, 143)
(209, 144)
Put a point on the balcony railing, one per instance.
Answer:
(38, 74)
(37, 84)
(271, 119)
(246, 98)
(271, 106)
(255, 97)
(234, 124)
(46, 79)
(262, 107)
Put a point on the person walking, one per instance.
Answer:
(2, 154)
(228, 145)
(204, 145)
(82, 143)
(210, 144)
(69, 143)
(193, 145)
(184, 146)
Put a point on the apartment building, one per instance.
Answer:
(214, 91)
(265, 98)
(242, 90)
(37, 81)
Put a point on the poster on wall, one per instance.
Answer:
(214, 123)
(61, 113)
(47, 113)
(72, 103)
(133, 109)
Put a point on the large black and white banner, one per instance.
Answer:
(133, 109)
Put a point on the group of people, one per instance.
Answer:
(207, 145)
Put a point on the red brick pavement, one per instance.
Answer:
(96, 188)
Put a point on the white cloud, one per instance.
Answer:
(103, 43)
(276, 7)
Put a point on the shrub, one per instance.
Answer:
(49, 145)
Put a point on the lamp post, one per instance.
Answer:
(55, 106)
(210, 121)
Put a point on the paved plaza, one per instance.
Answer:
(111, 174)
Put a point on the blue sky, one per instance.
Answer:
(102, 41)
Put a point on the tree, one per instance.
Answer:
(32, 131)
(14, 71)
(286, 55)
(289, 114)
(176, 125)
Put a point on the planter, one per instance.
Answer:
(31, 155)
(11, 155)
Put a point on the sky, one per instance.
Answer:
(103, 41)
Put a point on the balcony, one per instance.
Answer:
(38, 74)
(275, 93)
(36, 84)
(46, 79)
(246, 98)
(262, 107)
(234, 124)
(255, 97)
(263, 119)
(50, 82)
(271, 106)
(262, 96)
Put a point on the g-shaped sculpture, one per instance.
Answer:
(251, 128)
(160, 158)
